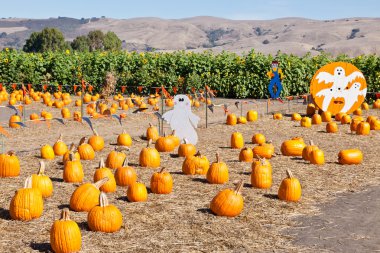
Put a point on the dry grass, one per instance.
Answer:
(181, 221)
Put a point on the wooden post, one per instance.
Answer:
(162, 111)
(206, 105)
(82, 102)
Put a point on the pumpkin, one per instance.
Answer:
(27, 203)
(161, 182)
(290, 188)
(358, 112)
(296, 117)
(228, 202)
(105, 217)
(265, 150)
(164, 144)
(375, 125)
(317, 157)
(331, 127)
(310, 110)
(316, 119)
(196, 164)
(376, 105)
(96, 141)
(137, 192)
(354, 125)
(218, 172)
(339, 116)
(363, 128)
(86, 196)
(350, 156)
(152, 133)
(258, 139)
(125, 175)
(292, 147)
(34, 116)
(261, 176)
(277, 116)
(85, 150)
(65, 234)
(307, 151)
(65, 157)
(47, 152)
(346, 119)
(237, 140)
(326, 116)
(365, 106)
(124, 139)
(59, 147)
(305, 122)
(42, 182)
(13, 119)
(175, 139)
(149, 157)
(9, 165)
(186, 149)
(241, 120)
(371, 118)
(65, 112)
(252, 115)
(246, 155)
(73, 170)
(231, 119)
(115, 158)
(103, 172)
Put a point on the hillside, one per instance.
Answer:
(353, 36)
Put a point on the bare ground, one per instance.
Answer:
(181, 221)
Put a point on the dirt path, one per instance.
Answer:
(349, 224)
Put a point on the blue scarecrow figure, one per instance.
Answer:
(275, 74)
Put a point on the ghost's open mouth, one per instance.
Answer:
(338, 101)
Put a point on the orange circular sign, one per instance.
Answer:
(338, 87)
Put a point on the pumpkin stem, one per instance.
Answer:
(217, 157)
(95, 132)
(28, 182)
(311, 143)
(289, 173)
(41, 171)
(101, 163)
(198, 153)
(184, 140)
(103, 200)
(125, 163)
(72, 147)
(83, 140)
(65, 214)
(149, 143)
(173, 132)
(150, 125)
(239, 186)
(101, 182)
(11, 152)
(60, 138)
(124, 131)
(162, 170)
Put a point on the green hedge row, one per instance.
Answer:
(232, 75)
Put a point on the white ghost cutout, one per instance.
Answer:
(351, 96)
(182, 120)
(339, 79)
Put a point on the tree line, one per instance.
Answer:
(52, 39)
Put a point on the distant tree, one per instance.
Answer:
(96, 39)
(81, 43)
(49, 39)
(111, 41)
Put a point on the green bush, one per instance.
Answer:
(232, 75)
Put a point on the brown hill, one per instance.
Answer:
(353, 36)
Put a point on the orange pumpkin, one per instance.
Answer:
(331, 127)
(246, 155)
(218, 172)
(237, 140)
(228, 202)
(350, 156)
(290, 188)
(261, 176)
(231, 119)
(196, 164)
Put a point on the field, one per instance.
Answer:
(182, 221)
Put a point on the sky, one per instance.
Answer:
(176, 9)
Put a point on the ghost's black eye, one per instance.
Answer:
(181, 99)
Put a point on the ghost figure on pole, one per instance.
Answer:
(276, 75)
(182, 120)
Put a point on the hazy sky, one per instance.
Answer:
(174, 9)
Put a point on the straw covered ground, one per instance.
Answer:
(182, 221)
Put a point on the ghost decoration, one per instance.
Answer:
(182, 120)
(338, 87)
